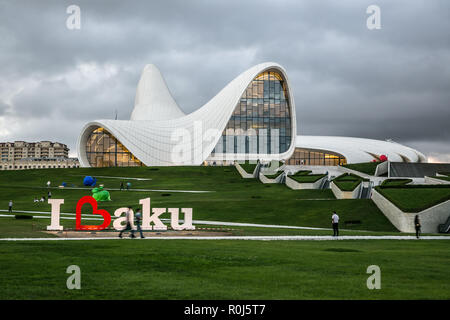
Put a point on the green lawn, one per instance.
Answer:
(442, 178)
(196, 269)
(233, 199)
(309, 178)
(180, 269)
(347, 181)
(396, 182)
(248, 166)
(365, 167)
(415, 198)
(274, 175)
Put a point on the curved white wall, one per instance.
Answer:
(357, 150)
(157, 142)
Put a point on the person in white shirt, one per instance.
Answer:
(335, 223)
(10, 204)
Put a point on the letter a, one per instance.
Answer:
(373, 21)
(74, 20)
(74, 281)
(374, 281)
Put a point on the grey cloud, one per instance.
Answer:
(347, 80)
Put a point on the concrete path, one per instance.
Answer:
(259, 238)
(201, 222)
(132, 190)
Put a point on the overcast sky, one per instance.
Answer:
(347, 80)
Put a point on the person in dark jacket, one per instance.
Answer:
(138, 218)
(128, 216)
(417, 226)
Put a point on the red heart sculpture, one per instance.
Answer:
(93, 203)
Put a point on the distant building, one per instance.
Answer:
(11, 151)
(39, 163)
(35, 155)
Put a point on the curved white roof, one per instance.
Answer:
(153, 99)
(159, 132)
(357, 150)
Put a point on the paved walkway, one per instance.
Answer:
(133, 190)
(201, 222)
(113, 177)
(259, 238)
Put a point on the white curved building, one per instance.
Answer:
(252, 118)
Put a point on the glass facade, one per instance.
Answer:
(309, 157)
(103, 150)
(261, 121)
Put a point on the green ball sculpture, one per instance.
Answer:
(100, 194)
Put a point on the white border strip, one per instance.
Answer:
(260, 238)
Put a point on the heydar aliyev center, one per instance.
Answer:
(252, 118)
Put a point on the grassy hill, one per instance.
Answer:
(230, 197)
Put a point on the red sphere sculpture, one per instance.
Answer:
(383, 158)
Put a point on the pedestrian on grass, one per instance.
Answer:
(49, 194)
(335, 223)
(128, 216)
(128, 186)
(10, 204)
(417, 226)
(138, 219)
(48, 184)
(121, 185)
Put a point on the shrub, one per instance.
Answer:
(23, 216)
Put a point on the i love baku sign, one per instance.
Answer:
(150, 216)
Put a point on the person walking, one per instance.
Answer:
(128, 215)
(49, 194)
(138, 218)
(121, 185)
(335, 223)
(128, 186)
(417, 226)
(10, 204)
